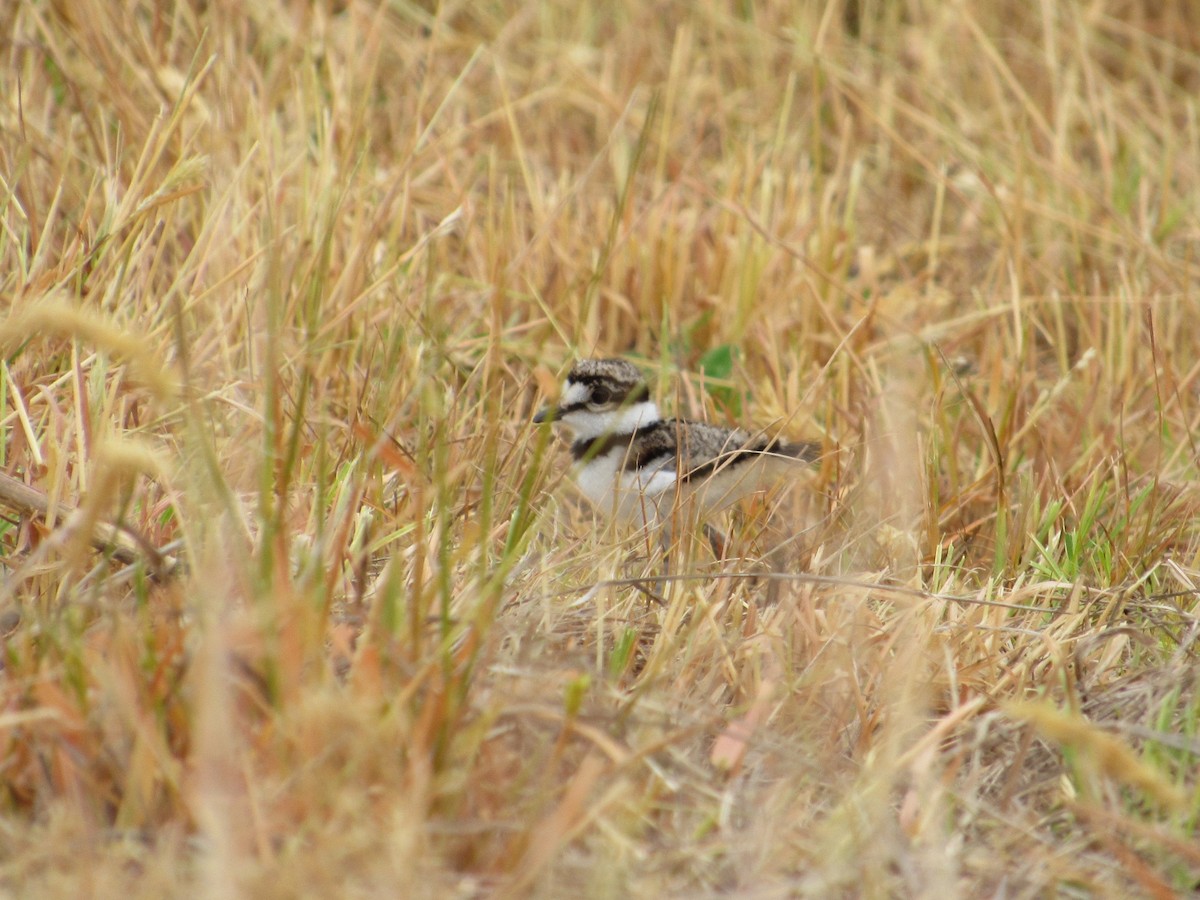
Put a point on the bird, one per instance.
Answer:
(634, 465)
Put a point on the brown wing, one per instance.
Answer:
(698, 449)
(705, 449)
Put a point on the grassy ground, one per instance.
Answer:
(282, 284)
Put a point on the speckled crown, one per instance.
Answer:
(616, 372)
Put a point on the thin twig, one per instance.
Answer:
(125, 544)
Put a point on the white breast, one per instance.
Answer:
(631, 496)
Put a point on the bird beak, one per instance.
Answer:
(547, 413)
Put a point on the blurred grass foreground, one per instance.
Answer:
(297, 602)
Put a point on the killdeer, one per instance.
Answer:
(632, 463)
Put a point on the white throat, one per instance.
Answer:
(586, 425)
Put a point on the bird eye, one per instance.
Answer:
(600, 395)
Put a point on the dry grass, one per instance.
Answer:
(283, 282)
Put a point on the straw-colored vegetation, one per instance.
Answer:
(282, 283)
